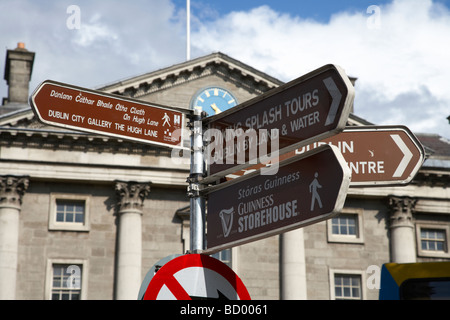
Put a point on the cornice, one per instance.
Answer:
(76, 141)
(432, 178)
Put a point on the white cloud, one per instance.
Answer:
(116, 39)
(93, 31)
(405, 58)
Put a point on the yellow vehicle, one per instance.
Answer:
(415, 281)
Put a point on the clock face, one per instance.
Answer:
(213, 100)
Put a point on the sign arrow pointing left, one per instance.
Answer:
(72, 107)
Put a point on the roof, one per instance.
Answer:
(437, 146)
(13, 107)
(437, 149)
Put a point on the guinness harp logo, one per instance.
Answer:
(226, 216)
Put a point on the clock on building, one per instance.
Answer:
(213, 100)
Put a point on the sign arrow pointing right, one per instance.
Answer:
(336, 96)
(376, 155)
(407, 155)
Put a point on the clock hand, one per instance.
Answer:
(215, 108)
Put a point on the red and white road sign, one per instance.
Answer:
(376, 155)
(196, 277)
(310, 108)
(306, 189)
(72, 107)
(149, 276)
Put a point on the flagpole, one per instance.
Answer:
(188, 29)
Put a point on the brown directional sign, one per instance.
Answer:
(72, 107)
(376, 155)
(310, 108)
(308, 188)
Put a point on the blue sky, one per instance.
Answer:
(400, 54)
(320, 10)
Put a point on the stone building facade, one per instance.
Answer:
(106, 210)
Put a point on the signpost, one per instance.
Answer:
(72, 107)
(376, 155)
(310, 108)
(301, 120)
(308, 188)
(195, 277)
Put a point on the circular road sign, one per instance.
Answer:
(196, 277)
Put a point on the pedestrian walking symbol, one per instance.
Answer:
(314, 185)
(166, 119)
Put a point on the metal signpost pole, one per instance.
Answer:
(197, 202)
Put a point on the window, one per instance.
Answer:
(425, 289)
(224, 256)
(69, 212)
(66, 279)
(432, 240)
(346, 227)
(346, 224)
(347, 287)
(66, 282)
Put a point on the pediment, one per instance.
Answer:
(233, 71)
(218, 64)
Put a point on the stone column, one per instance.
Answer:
(129, 252)
(293, 266)
(403, 246)
(12, 189)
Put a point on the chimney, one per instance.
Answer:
(18, 68)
